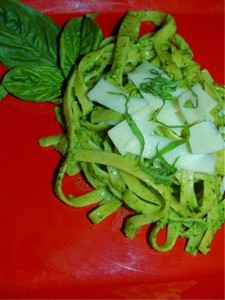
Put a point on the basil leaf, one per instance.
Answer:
(166, 149)
(79, 36)
(91, 35)
(70, 44)
(3, 92)
(136, 131)
(26, 36)
(34, 83)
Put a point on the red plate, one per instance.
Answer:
(50, 250)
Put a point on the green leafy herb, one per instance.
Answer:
(159, 174)
(159, 86)
(91, 35)
(70, 44)
(3, 92)
(163, 171)
(30, 82)
(167, 148)
(29, 42)
(135, 130)
(131, 122)
(26, 36)
(79, 36)
(154, 118)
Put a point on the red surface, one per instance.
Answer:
(50, 250)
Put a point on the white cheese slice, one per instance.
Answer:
(205, 138)
(175, 121)
(142, 118)
(114, 98)
(143, 73)
(120, 135)
(126, 141)
(203, 101)
(152, 142)
(194, 162)
(154, 101)
(170, 107)
(171, 116)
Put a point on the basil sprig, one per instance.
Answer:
(38, 53)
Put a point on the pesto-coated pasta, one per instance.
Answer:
(189, 204)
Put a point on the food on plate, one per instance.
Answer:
(139, 117)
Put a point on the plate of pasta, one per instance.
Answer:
(112, 173)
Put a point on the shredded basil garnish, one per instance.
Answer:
(159, 86)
